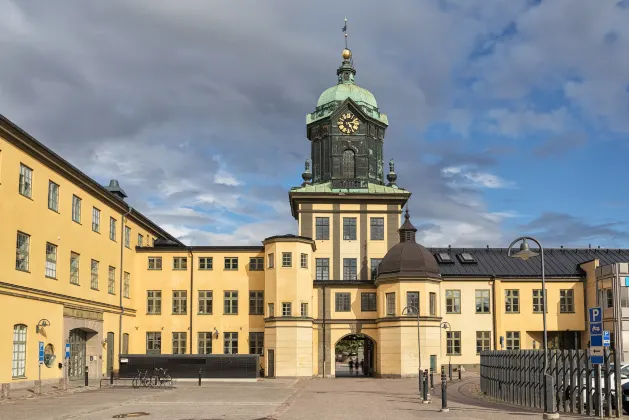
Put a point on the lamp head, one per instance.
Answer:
(525, 252)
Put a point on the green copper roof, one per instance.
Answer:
(371, 189)
(343, 91)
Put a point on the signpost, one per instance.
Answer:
(606, 338)
(41, 362)
(596, 335)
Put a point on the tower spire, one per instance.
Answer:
(347, 71)
(407, 230)
(345, 32)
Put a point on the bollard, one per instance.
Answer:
(432, 384)
(444, 391)
(111, 377)
(421, 382)
(450, 370)
(425, 395)
(199, 377)
(87, 380)
(459, 372)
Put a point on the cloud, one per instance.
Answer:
(474, 178)
(560, 144)
(515, 123)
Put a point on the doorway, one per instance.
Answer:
(270, 363)
(110, 352)
(354, 356)
(78, 347)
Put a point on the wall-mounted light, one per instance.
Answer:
(215, 333)
(41, 324)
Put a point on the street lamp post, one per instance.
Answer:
(525, 253)
(410, 310)
(447, 325)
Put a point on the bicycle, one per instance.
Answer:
(142, 379)
(161, 377)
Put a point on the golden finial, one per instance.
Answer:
(347, 54)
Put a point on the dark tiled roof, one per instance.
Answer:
(559, 262)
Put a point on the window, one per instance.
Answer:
(95, 219)
(231, 263)
(206, 263)
(22, 251)
(154, 302)
(26, 181)
(53, 196)
(377, 228)
(368, 302)
(111, 281)
(271, 258)
(256, 264)
(444, 258)
(566, 300)
(74, 268)
(304, 309)
(205, 342)
(140, 240)
(19, 351)
(231, 303)
(482, 341)
(126, 284)
(304, 260)
(412, 303)
(349, 228)
(127, 236)
(349, 269)
(322, 268)
(94, 275)
(287, 259)
(512, 300)
(153, 342)
(230, 344)
(375, 263)
(467, 258)
(453, 342)
(342, 302)
(433, 303)
(513, 340)
(51, 260)
(453, 301)
(180, 263)
(256, 303)
(482, 301)
(348, 164)
(287, 309)
(538, 301)
(608, 298)
(206, 299)
(76, 209)
(256, 343)
(180, 302)
(271, 310)
(155, 263)
(322, 228)
(112, 229)
(390, 302)
(179, 343)
(125, 343)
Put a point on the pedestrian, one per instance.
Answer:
(351, 366)
(362, 367)
(357, 364)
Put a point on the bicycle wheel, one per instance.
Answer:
(135, 382)
(153, 381)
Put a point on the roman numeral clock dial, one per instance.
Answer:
(348, 123)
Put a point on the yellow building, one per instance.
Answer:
(80, 267)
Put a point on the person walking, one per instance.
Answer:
(351, 366)
(357, 365)
(362, 367)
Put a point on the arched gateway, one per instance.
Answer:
(355, 356)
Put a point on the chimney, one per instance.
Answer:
(114, 188)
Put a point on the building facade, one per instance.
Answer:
(80, 267)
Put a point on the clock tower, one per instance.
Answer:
(346, 131)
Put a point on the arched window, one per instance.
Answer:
(19, 351)
(348, 164)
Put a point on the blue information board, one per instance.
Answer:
(67, 350)
(595, 316)
(41, 352)
(606, 338)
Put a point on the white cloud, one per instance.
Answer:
(225, 178)
(462, 176)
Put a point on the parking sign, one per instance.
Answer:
(596, 314)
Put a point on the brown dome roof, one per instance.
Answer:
(408, 258)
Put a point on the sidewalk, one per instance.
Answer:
(74, 386)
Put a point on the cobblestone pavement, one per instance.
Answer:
(329, 399)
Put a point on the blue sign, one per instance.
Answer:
(596, 314)
(597, 355)
(626, 281)
(596, 328)
(41, 352)
(67, 350)
(606, 338)
(596, 341)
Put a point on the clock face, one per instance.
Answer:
(348, 123)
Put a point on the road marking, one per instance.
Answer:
(250, 403)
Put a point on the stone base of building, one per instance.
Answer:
(34, 386)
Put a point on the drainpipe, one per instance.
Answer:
(191, 292)
(121, 279)
(493, 311)
(324, 351)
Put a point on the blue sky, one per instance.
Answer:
(507, 117)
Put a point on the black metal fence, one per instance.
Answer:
(225, 366)
(517, 377)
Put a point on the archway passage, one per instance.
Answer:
(354, 356)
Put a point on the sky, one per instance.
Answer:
(507, 117)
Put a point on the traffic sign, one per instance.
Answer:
(41, 352)
(596, 328)
(67, 350)
(606, 338)
(596, 314)
(596, 341)
(596, 355)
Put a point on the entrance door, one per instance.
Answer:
(433, 362)
(271, 363)
(78, 340)
(110, 352)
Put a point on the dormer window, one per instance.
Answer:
(467, 258)
(444, 258)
